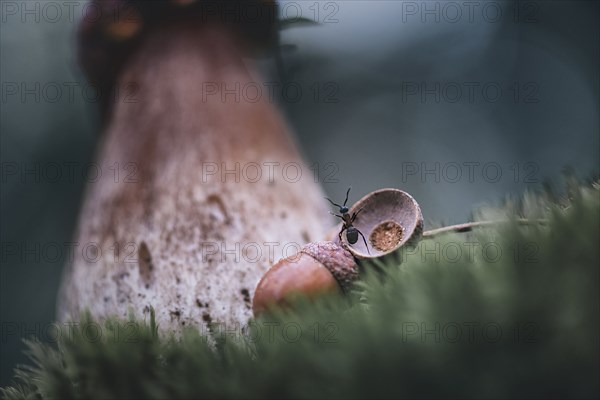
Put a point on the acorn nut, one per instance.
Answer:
(320, 267)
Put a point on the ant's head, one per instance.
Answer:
(343, 209)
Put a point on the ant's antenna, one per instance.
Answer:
(337, 205)
(347, 193)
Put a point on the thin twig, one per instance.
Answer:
(469, 226)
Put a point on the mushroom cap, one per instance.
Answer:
(110, 31)
(390, 219)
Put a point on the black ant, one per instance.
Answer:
(351, 232)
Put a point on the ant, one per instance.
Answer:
(351, 231)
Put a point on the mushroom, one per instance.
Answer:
(197, 193)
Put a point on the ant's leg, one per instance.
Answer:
(364, 240)
(354, 215)
(337, 215)
(340, 235)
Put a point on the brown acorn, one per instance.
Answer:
(320, 267)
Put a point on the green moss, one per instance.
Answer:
(505, 312)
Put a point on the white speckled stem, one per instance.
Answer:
(172, 234)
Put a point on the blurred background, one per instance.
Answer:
(458, 103)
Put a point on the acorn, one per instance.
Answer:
(319, 268)
(388, 219)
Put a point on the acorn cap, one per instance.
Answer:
(336, 259)
(390, 219)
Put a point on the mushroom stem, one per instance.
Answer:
(199, 192)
